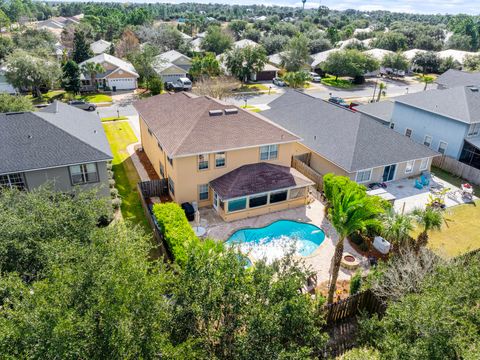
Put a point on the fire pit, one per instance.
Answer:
(349, 261)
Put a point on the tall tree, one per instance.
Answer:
(71, 77)
(396, 61)
(206, 65)
(428, 62)
(396, 228)
(351, 210)
(14, 103)
(349, 63)
(296, 54)
(81, 50)
(217, 40)
(127, 44)
(245, 62)
(143, 60)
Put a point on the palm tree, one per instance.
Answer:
(351, 210)
(93, 69)
(429, 219)
(381, 90)
(303, 4)
(396, 227)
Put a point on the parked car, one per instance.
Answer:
(315, 77)
(83, 105)
(189, 211)
(181, 84)
(338, 101)
(279, 82)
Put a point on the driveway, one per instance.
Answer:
(121, 106)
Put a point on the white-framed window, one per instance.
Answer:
(203, 193)
(269, 152)
(278, 196)
(427, 141)
(220, 159)
(84, 174)
(392, 125)
(171, 185)
(162, 170)
(409, 166)
(203, 162)
(364, 175)
(15, 180)
(424, 164)
(237, 204)
(258, 200)
(442, 147)
(473, 130)
(408, 132)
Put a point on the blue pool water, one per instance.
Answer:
(273, 241)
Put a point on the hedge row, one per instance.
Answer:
(175, 227)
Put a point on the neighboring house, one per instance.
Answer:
(410, 54)
(447, 121)
(59, 144)
(176, 58)
(100, 46)
(56, 24)
(457, 55)
(318, 58)
(219, 155)
(59, 51)
(169, 72)
(343, 142)
(196, 44)
(452, 78)
(119, 74)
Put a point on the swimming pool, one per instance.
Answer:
(275, 240)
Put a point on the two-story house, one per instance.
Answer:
(447, 120)
(219, 155)
(59, 144)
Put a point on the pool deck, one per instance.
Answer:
(314, 213)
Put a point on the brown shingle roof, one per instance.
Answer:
(183, 125)
(257, 178)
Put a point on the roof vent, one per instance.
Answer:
(473, 88)
(231, 111)
(215, 112)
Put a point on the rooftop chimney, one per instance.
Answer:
(215, 112)
(231, 111)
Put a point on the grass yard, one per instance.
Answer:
(114, 118)
(61, 95)
(460, 233)
(452, 179)
(120, 135)
(339, 83)
(95, 98)
(253, 88)
(251, 108)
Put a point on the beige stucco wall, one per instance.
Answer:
(377, 173)
(319, 163)
(185, 173)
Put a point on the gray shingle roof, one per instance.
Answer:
(381, 110)
(452, 78)
(348, 139)
(460, 103)
(257, 178)
(58, 135)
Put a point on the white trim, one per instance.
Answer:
(426, 164)
(364, 181)
(412, 167)
(394, 173)
(431, 140)
(446, 146)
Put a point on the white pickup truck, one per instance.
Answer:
(181, 84)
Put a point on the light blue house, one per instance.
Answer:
(447, 121)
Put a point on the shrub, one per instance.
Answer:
(110, 174)
(116, 203)
(355, 283)
(113, 192)
(111, 182)
(176, 229)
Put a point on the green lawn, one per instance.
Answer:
(339, 83)
(460, 233)
(120, 135)
(95, 98)
(253, 88)
(452, 179)
(251, 108)
(61, 95)
(114, 118)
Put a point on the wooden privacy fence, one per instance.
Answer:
(305, 169)
(457, 168)
(146, 190)
(352, 306)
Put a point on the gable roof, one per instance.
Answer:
(160, 67)
(171, 56)
(257, 178)
(461, 103)
(378, 54)
(453, 77)
(100, 46)
(410, 54)
(119, 63)
(58, 135)
(320, 57)
(458, 55)
(348, 139)
(183, 125)
(381, 110)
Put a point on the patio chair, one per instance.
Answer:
(425, 181)
(418, 185)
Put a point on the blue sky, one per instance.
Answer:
(471, 7)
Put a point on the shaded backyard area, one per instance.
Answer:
(120, 135)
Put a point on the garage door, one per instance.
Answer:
(123, 83)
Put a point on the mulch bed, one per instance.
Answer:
(152, 174)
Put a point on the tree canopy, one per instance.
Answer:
(245, 62)
(349, 63)
(14, 103)
(217, 40)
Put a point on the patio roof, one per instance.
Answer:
(257, 178)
